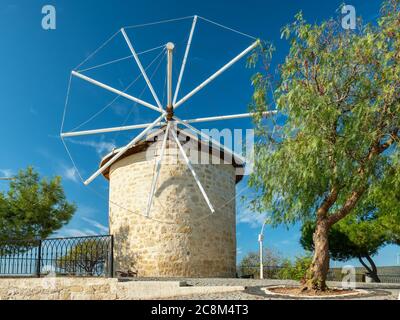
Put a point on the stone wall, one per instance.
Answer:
(181, 238)
(99, 289)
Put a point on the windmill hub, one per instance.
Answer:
(170, 113)
(170, 46)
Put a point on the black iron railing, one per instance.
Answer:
(269, 272)
(336, 275)
(78, 256)
(275, 272)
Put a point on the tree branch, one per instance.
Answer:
(347, 207)
(355, 196)
(328, 203)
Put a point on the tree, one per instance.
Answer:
(295, 270)
(353, 237)
(33, 208)
(87, 256)
(250, 264)
(391, 224)
(338, 147)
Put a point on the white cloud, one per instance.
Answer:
(76, 233)
(86, 211)
(90, 232)
(70, 173)
(102, 147)
(246, 216)
(97, 225)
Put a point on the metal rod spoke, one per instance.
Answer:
(158, 170)
(123, 150)
(218, 73)
(228, 117)
(189, 164)
(170, 48)
(107, 130)
(178, 85)
(141, 68)
(144, 125)
(209, 138)
(116, 91)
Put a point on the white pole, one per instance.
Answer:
(188, 163)
(106, 130)
(228, 117)
(121, 93)
(207, 137)
(260, 241)
(123, 150)
(215, 75)
(170, 48)
(145, 125)
(158, 170)
(141, 67)
(178, 85)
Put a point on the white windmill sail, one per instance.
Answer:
(166, 118)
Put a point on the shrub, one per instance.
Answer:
(295, 270)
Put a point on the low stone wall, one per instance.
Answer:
(99, 289)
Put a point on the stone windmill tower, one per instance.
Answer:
(172, 190)
(181, 238)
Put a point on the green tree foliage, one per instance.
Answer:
(32, 207)
(338, 148)
(85, 257)
(295, 270)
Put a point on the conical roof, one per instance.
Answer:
(152, 138)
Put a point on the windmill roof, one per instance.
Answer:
(145, 143)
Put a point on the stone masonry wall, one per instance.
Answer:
(50, 288)
(181, 238)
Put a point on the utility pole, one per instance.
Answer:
(260, 241)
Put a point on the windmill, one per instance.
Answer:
(168, 121)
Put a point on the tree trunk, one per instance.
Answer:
(315, 279)
(373, 271)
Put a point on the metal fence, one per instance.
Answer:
(269, 272)
(334, 274)
(384, 276)
(78, 256)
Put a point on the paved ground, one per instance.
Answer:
(381, 295)
(254, 289)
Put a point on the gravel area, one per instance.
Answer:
(223, 281)
(246, 295)
(239, 295)
(254, 289)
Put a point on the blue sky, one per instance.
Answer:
(36, 64)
